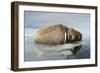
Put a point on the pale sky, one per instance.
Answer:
(36, 19)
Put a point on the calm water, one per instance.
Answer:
(40, 52)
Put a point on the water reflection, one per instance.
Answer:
(55, 52)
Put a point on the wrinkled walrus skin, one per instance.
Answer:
(57, 34)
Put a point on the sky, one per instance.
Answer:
(37, 19)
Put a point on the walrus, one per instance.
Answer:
(57, 34)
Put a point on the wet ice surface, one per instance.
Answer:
(40, 52)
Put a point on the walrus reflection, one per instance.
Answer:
(76, 49)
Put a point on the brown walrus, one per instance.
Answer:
(57, 34)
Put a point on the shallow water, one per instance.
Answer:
(41, 52)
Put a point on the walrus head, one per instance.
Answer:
(73, 35)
